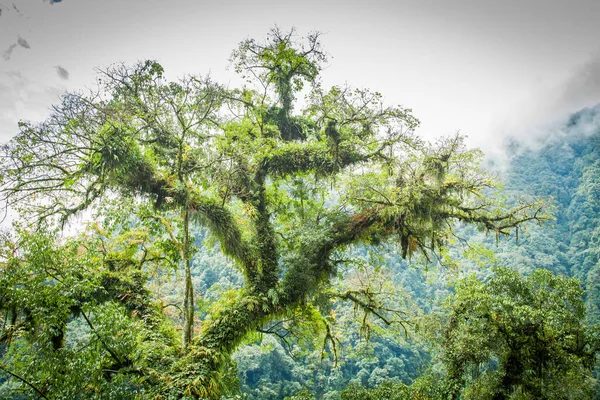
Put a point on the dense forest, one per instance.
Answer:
(284, 240)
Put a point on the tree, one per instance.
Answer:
(420, 389)
(516, 337)
(283, 192)
(76, 319)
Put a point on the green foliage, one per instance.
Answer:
(421, 389)
(513, 337)
(77, 319)
(280, 63)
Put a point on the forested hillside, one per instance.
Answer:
(566, 167)
(187, 240)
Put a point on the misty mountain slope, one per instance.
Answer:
(566, 168)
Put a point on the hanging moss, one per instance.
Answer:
(290, 127)
(222, 224)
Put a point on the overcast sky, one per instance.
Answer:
(487, 68)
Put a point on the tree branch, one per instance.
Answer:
(38, 391)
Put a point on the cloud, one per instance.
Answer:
(546, 116)
(554, 107)
(583, 89)
(548, 108)
(62, 72)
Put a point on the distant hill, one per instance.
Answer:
(566, 167)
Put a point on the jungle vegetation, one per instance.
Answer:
(220, 216)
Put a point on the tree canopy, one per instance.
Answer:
(516, 337)
(283, 189)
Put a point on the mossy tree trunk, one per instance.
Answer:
(188, 302)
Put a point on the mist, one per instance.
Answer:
(545, 116)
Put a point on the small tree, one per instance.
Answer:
(282, 190)
(515, 337)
